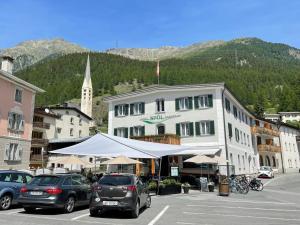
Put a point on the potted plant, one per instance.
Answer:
(186, 187)
(152, 186)
(169, 186)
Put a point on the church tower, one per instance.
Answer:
(87, 91)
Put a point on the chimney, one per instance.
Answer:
(7, 64)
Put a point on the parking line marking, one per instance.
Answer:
(240, 207)
(240, 216)
(257, 202)
(78, 217)
(152, 222)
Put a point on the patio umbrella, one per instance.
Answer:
(72, 160)
(121, 160)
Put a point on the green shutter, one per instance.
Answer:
(212, 127)
(196, 102)
(230, 130)
(143, 131)
(115, 131)
(177, 104)
(191, 127)
(143, 107)
(210, 100)
(131, 131)
(197, 127)
(190, 102)
(126, 132)
(126, 109)
(116, 110)
(131, 109)
(178, 129)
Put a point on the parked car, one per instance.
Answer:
(11, 182)
(124, 192)
(63, 191)
(266, 172)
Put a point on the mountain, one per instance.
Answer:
(30, 52)
(259, 73)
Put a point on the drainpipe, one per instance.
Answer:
(225, 136)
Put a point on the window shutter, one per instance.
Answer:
(131, 109)
(131, 131)
(143, 131)
(116, 132)
(196, 102)
(6, 152)
(230, 130)
(126, 109)
(210, 100)
(126, 132)
(178, 129)
(197, 127)
(10, 120)
(22, 123)
(212, 127)
(116, 110)
(19, 153)
(143, 107)
(191, 128)
(177, 104)
(190, 102)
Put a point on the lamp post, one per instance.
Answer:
(278, 125)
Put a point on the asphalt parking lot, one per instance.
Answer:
(279, 203)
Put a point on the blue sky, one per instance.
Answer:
(100, 24)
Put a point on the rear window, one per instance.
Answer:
(115, 180)
(45, 180)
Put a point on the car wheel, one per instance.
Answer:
(148, 201)
(5, 202)
(29, 209)
(69, 205)
(135, 213)
(94, 212)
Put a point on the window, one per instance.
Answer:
(227, 105)
(248, 139)
(185, 129)
(230, 130)
(137, 131)
(58, 130)
(80, 132)
(244, 166)
(18, 95)
(13, 152)
(15, 121)
(203, 101)
(245, 141)
(205, 128)
(38, 119)
(67, 181)
(67, 112)
(71, 120)
(121, 110)
(231, 159)
(121, 132)
(235, 112)
(17, 178)
(160, 105)
(241, 135)
(71, 132)
(80, 122)
(161, 129)
(239, 162)
(91, 160)
(37, 135)
(184, 103)
(137, 108)
(237, 136)
(240, 116)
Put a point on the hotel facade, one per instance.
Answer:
(207, 116)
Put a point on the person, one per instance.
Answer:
(90, 175)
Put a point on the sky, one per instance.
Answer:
(104, 24)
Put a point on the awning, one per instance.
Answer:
(199, 151)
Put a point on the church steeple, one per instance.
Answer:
(87, 91)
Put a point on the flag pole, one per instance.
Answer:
(157, 72)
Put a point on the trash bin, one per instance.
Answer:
(224, 188)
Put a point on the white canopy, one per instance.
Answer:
(104, 145)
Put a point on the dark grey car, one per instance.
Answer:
(64, 191)
(124, 192)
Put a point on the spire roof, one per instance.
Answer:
(88, 69)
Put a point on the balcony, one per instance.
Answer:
(264, 131)
(41, 125)
(268, 148)
(38, 158)
(163, 138)
(36, 142)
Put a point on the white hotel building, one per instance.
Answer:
(194, 112)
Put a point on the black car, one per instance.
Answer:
(11, 182)
(124, 192)
(64, 191)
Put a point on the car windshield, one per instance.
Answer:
(265, 168)
(44, 180)
(115, 180)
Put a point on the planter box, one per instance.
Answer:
(170, 189)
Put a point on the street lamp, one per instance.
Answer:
(278, 125)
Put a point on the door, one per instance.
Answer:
(77, 188)
(142, 192)
(17, 181)
(160, 129)
(87, 189)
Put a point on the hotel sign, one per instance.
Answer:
(158, 119)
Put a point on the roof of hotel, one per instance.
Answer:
(68, 108)
(19, 81)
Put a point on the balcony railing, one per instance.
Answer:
(264, 131)
(39, 142)
(163, 138)
(38, 158)
(41, 125)
(268, 148)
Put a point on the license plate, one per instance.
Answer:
(110, 203)
(36, 192)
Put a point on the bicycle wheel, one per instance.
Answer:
(260, 186)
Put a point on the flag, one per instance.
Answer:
(157, 69)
